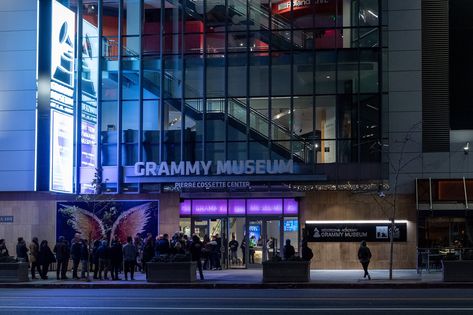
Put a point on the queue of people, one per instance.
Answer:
(104, 258)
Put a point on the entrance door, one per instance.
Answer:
(264, 240)
(210, 228)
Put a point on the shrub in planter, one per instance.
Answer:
(13, 271)
(171, 268)
(292, 270)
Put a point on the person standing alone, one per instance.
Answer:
(364, 256)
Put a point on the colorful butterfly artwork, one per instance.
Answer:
(129, 223)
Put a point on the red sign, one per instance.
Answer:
(320, 5)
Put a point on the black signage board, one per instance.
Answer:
(354, 232)
(6, 219)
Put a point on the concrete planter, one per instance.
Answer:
(172, 271)
(457, 270)
(14, 272)
(286, 271)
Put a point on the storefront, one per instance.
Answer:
(262, 223)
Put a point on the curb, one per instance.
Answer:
(320, 285)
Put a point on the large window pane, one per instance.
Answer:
(280, 73)
(369, 71)
(215, 14)
(303, 79)
(325, 72)
(238, 16)
(151, 130)
(130, 126)
(215, 76)
(151, 77)
(130, 78)
(258, 11)
(237, 79)
(194, 76)
(326, 126)
(173, 76)
(258, 75)
(347, 74)
(109, 133)
(172, 130)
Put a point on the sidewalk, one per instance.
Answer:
(252, 278)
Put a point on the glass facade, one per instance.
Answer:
(209, 80)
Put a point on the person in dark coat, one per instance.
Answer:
(218, 252)
(45, 258)
(104, 259)
(163, 246)
(22, 250)
(116, 258)
(76, 251)
(364, 256)
(243, 249)
(148, 251)
(95, 259)
(306, 252)
(233, 245)
(84, 258)
(288, 250)
(62, 256)
(196, 254)
(130, 252)
(3, 249)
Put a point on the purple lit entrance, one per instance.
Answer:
(259, 227)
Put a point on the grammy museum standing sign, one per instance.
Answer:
(354, 232)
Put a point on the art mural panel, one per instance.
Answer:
(106, 219)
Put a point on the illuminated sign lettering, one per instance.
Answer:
(186, 168)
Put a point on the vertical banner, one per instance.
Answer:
(62, 153)
(62, 99)
(89, 132)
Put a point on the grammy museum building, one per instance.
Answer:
(262, 120)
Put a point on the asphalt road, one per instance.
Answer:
(216, 301)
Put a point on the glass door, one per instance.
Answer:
(236, 243)
(255, 242)
(213, 231)
(273, 239)
(264, 240)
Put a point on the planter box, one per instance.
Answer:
(457, 270)
(13, 272)
(172, 271)
(286, 271)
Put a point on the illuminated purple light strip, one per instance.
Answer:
(200, 207)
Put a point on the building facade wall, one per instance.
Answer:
(17, 94)
(331, 205)
(405, 92)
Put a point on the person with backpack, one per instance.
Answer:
(306, 252)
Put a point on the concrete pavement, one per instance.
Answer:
(252, 278)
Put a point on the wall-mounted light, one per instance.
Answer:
(466, 148)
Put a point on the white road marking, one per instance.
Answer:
(151, 308)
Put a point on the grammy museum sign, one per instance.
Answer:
(228, 167)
